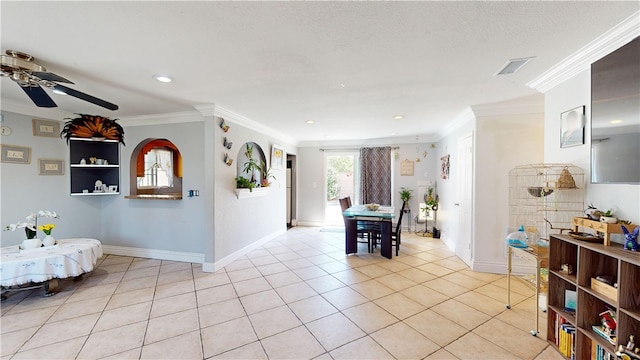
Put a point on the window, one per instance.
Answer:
(156, 170)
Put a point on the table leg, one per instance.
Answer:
(385, 241)
(50, 287)
(351, 236)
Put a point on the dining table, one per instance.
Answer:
(383, 217)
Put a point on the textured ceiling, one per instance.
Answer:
(348, 66)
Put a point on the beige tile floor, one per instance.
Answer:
(296, 297)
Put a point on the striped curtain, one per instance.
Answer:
(375, 175)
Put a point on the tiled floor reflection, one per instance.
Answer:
(296, 297)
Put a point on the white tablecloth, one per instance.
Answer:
(72, 257)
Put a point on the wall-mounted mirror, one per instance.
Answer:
(615, 116)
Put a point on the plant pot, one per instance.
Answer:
(31, 243)
(608, 219)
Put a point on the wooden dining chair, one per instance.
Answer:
(397, 233)
(365, 231)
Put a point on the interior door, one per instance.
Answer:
(465, 199)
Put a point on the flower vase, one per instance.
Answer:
(48, 241)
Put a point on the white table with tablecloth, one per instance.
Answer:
(69, 258)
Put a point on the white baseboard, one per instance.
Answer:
(501, 268)
(310, 223)
(153, 254)
(213, 267)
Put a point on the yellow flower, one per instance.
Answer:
(46, 228)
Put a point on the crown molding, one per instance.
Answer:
(581, 60)
(206, 109)
(32, 110)
(465, 116)
(161, 119)
(532, 104)
(230, 116)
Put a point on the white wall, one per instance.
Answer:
(23, 191)
(505, 134)
(447, 189)
(502, 143)
(167, 225)
(241, 224)
(568, 95)
(169, 229)
(311, 180)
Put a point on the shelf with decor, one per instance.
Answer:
(84, 153)
(606, 229)
(607, 305)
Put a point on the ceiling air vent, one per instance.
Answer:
(513, 65)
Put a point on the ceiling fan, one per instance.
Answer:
(31, 77)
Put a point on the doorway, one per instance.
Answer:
(465, 199)
(291, 191)
(341, 179)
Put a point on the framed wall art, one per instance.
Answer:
(46, 128)
(50, 167)
(572, 127)
(444, 167)
(406, 168)
(277, 157)
(15, 154)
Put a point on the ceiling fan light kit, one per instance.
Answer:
(31, 77)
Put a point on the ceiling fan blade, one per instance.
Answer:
(39, 96)
(86, 97)
(50, 77)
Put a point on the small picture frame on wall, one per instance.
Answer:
(50, 167)
(46, 128)
(15, 154)
(277, 157)
(572, 124)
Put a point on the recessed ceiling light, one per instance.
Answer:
(310, 122)
(163, 78)
(617, 121)
(342, 85)
(398, 117)
(394, 134)
(59, 92)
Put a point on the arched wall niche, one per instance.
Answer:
(243, 159)
(155, 170)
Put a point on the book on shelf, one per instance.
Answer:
(566, 342)
(600, 330)
(570, 300)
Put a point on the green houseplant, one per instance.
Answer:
(266, 174)
(250, 168)
(431, 200)
(405, 195)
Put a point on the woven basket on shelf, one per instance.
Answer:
(566, 180)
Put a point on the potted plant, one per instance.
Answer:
(245, 183)
(266, 174)
(431, 200)
(250, 167)
(405, 195)
(608, 217)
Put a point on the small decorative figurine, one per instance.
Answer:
(227, 144)
(631, 344)
(224, 126)
(631, 242)
(227, 159)
(567, 269)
